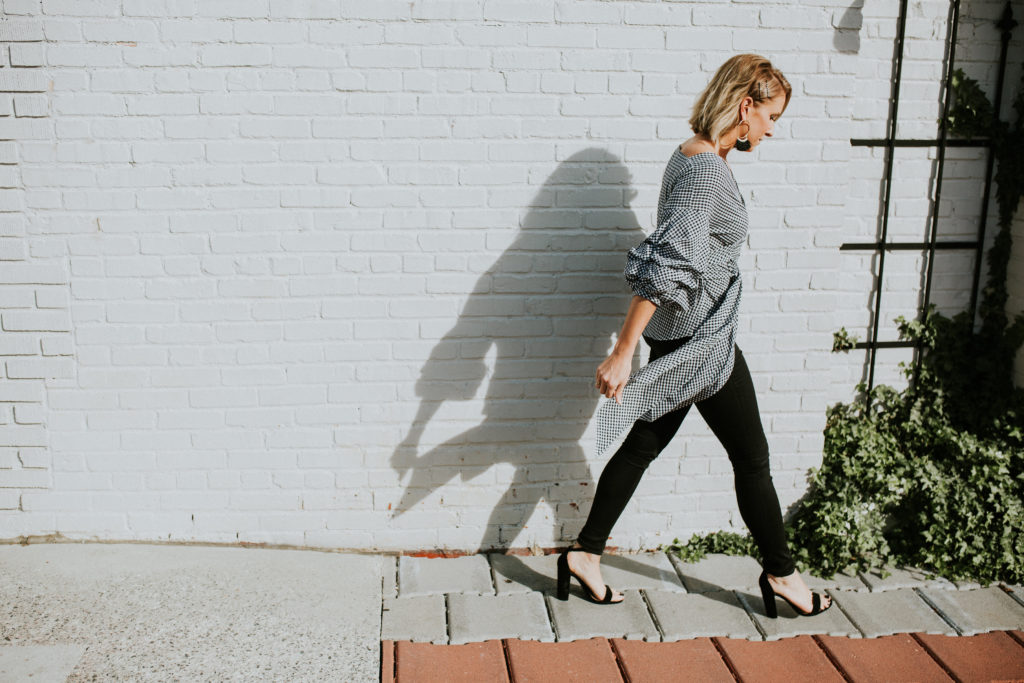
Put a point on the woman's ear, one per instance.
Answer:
(745, 104)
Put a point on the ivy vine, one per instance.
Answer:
(933, 475)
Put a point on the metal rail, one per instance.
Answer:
(890, 140)
(1005, 25)
(933, 232)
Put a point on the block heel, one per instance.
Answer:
(564, 574)
(563, 578)
(768, 595)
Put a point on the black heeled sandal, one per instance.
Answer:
(563, 581)
(772, 610)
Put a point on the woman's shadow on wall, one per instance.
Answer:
(546, 311)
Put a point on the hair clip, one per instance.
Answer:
(762, 89)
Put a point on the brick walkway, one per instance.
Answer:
(493, 617)
(994, 656)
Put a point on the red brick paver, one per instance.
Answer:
(387, 661)
(985, 657)
(684, 660)
(586, 661)
(787, 661)
(889, 659)
(426, 663)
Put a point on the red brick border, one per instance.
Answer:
(998, 655)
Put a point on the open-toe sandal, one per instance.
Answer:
(771, 609)
(563, 581)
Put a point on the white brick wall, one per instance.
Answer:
(36, 347)
(338, 273)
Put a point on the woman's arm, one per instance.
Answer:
(614, 371)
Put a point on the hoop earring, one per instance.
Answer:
(742, 143)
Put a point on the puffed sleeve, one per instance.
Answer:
(666, 268)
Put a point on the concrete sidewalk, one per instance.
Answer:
(87, 612)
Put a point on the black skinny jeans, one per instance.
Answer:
(733, 416)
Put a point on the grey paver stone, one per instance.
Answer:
(903, 577)
(518, 574)
(840, 581)
(682, 616)
(718, 572)
(421, 619)
(888, 612)
(980, 610)
(389, 577)
(652, 571)
(1016, 592)
(429, 576)
(788, 624)
(577, 619)
(475, 618)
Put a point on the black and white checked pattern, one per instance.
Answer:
(688, 267)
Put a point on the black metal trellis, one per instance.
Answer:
(890, 142)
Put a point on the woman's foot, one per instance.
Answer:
(796, 592)
(587, 568)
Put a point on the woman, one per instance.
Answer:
(687, 286)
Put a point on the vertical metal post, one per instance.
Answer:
(889, 155)
(947, 96)
(1006, 24)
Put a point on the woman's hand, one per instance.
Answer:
(612, 375)
(615, 370)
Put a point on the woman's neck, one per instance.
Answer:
(698, 144)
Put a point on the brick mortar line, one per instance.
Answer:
(508, 660)
(725, 658)
(837, 605)
(945, 617)
(750, 616)
(448, 620)
(832, 660)
(650, 612)
(394, 660)
(618, 660)
(551, 617)
(492, 574)
(383, 597)
(675, 568)
(935, 657)
(1013, 594)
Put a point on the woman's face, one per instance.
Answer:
(762, 117)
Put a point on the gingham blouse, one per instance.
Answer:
(688, 268)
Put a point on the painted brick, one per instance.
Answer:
(389, 222)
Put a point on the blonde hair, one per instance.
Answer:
(741, 76)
